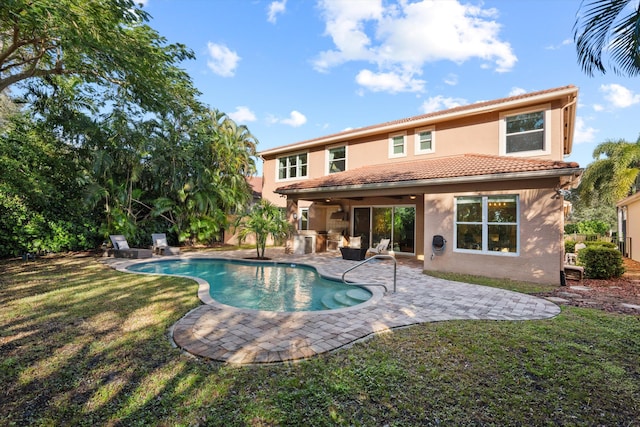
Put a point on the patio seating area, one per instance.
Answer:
(223, 333)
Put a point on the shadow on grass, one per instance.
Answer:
(82, 344)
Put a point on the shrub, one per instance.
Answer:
(601, 262)
(571, 228)
(593, 226)
(601, 244)
(569, 246)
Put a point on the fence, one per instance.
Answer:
(624, 245)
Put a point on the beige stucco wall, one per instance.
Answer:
(541, 231)
(633, 228)
(479, 134)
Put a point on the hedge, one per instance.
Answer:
(601, 261)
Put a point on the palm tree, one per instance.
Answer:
(263, 219)
(614, 173)
(609, 27)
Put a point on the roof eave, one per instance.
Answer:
(513, 176)
(422, 121)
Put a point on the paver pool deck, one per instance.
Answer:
(240, 336)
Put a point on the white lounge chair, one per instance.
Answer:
(382, 247)
(571, 268)
(122, 249)
(161, 246)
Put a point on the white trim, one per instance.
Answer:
(393, 155)
(295, 178)
(546, 108)
(327, 159)
(485, 227)
(300, 214)
(417, 150)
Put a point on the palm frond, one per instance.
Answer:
(602, 30)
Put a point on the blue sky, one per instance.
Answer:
(292, 70)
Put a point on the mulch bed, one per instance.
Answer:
(619, 295)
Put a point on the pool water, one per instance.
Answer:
(263, 286)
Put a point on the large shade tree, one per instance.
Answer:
(40, 184)
(608, 29)
(105, 42)
(205, 173)
(107, 90)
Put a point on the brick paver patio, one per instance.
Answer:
(219, 332)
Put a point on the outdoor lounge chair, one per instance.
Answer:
(121, 248)
(161, 247)
(571, 269)
(356, 251)
(382, 247)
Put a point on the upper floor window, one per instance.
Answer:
(397, 146)
(487, 224)
(337, 159)
(424, 141)
(294, 166)
(526, 132)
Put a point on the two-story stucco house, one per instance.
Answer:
(487, 177)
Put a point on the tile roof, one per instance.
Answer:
(256, 183)
(482, 106)
(438, 169)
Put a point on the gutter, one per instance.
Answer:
(419, 121)
(513, 176)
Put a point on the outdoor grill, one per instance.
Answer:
(334, 239)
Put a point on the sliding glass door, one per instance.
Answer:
(404, 229)
(362, 223)
(381, 225)
(387, 222)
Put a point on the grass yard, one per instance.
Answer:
(82, 344)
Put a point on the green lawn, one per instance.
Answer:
(82, 344)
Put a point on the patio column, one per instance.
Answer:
(292, 212)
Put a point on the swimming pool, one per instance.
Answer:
(272, 286)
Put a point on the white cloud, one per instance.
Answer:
(515, 91)
(451, 79)
(276, 8)
(563, 43)
(598, 107)
(583, 133)
(295, 119)
(222, 60)
(619, 96)
(242, 115)
(437, 103)
(406, 35)
(389, 82)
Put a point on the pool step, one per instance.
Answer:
(330, 303)
(345, 298)
(359, 294)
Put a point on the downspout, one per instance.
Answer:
(564, 124)
(565, 111)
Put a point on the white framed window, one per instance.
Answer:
(425, 141)
(293, 166)
(337, 159)
(303, 219)
(487, 224)
(397, 145)
(526, 132)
